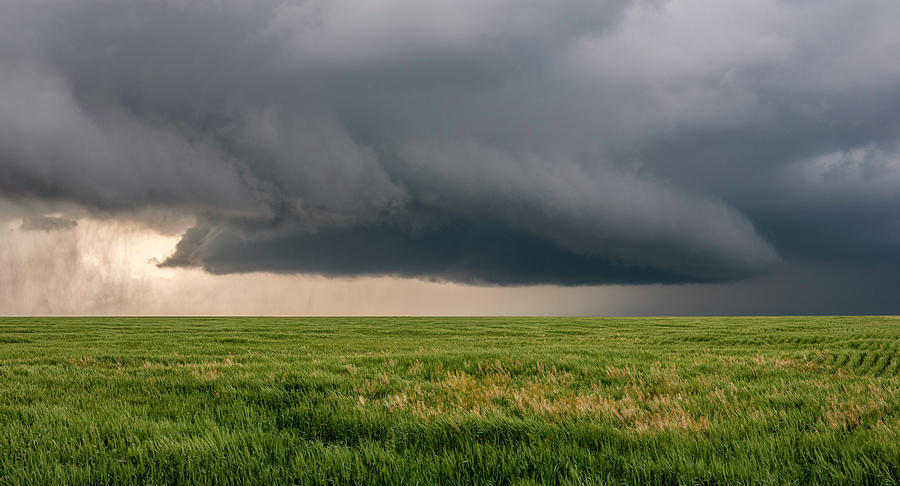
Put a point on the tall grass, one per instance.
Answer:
(453, 400)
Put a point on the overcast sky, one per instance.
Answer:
(464, 156)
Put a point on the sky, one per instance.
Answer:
(589, 157)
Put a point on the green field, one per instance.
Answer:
(450, 400)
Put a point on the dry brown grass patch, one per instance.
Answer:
(210, 370)
(81, 361)
(786, 363)
(851, 414)
(497, 393)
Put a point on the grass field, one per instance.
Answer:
(450, 400)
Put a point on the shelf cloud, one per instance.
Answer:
(491, 142)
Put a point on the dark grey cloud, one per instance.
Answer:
(433, 243)
(490, 141)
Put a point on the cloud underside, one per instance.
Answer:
(472, 252)
(486, 142)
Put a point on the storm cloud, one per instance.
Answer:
(491, 142)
